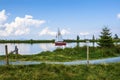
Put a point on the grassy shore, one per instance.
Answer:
(27, 41)
(51, 41)
(60, 72)
(63, 72)
(68, 54)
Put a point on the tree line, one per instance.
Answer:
(105, 39)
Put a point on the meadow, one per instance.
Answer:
(63, 72)
(60, 72)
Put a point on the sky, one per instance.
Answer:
(40, 19)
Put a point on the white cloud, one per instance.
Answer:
(84, 33)
(47, 31)
(64, 32)
(3, 16)
(118, 15)
(20, 26)
(20, 32)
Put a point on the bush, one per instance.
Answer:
(117, 47)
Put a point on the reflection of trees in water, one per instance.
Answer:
(78, 45)
(46, 47)
(11, 47)
(36, 48)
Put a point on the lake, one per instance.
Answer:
(27, 49)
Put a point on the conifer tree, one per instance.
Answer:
(93, 38)
(78, 37)
(78, 40)
(116, 39)
(105, 38)
(116, 36)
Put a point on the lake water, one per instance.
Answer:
(26, 49)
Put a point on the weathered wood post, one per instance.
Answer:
(87, 42)
(16, 50)
(6, 52)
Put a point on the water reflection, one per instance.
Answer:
(26, 49)
(47, 47)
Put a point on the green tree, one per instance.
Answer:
(116, 39)
(116, 36)
(93, 40)
(78, 37)
(105, 38)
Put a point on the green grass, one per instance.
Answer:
(27, 41)
(60, 72)
(51, 41)
(68, 54)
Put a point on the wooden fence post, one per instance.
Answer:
(16, 50)
(87, 52)
(6, 52)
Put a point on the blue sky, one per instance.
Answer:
(40, 19)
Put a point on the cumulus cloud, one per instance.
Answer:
(21, 32)
(20, 26)
(118, 15)
(64, 32)
(3, 16)
(84, 33)
(47, 31)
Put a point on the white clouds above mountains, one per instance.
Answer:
(20, 26)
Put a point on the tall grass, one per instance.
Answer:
(60, 72)
(79, 53)
(69, 54)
